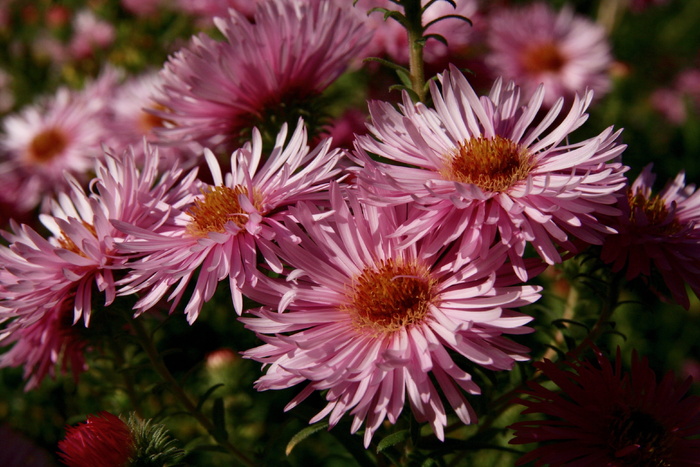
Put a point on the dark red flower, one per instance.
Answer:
(606, 417)
(104, 440)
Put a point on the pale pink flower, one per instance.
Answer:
(61, 133)
(658, 233)
(484, 169)
(90, 33)
(132, 120)
(48, 283)
(221, 232)
(534, 44)
(373, 324)
(266, 71)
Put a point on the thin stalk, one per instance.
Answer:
(129, 385)
(148, 346)
(414, 26)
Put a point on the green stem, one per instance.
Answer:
(148, 346)
(502, 403)
(129, 385)
(413, 13)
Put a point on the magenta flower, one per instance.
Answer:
(604, 416)
(372, 324)
(220, 233)
(46, 283)
(485, 168)
(658, 233)
(534, 44)
(103, 440)
(267, 68)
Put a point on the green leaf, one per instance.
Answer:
(387, 63)
(459, 17)
(218, 415)
(206, 395)
(437, 37)
(393, 439)
(303, 434)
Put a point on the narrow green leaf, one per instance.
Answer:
(303, 434)
(459, 17)
(393, 439)
(203, 398)
(387, 63)
(437, 37)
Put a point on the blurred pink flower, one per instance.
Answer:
(535, 45)
(132, 119)
(61, 133)
(103, 440)
(90, 33)
(485, 168)
(658, 233)
(266, 69)
(604, 416)
(373, 324)
(221, 232)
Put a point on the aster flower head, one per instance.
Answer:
(373, 325)
(534, 44)
(658, 233)
(48, 284)
(484, 169)
(268, 71)
(220, 232)
(103, 440)
(603, 415)
(62, 133)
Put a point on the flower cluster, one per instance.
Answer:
(397, 267)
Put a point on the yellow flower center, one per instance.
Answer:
(67, 243)
(543, 57)
(493, 164)
(390, 296)
(219, 205)
(47, 145)
(655, 211)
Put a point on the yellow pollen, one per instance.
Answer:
(67, 243)
(47, 145)
(218, 206)
(390, 296)
(148, 121)
(493, 164)
(655, 211)
(543, 57)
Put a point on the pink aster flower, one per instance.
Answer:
(48, 282)
(221, 232)
(485, 169)
(269, 67)
(62, 133)
(103, 440)
(658, 233)
(605, 416)
(132, 119)
(373, 324)
(90, 34)
(534, 44)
